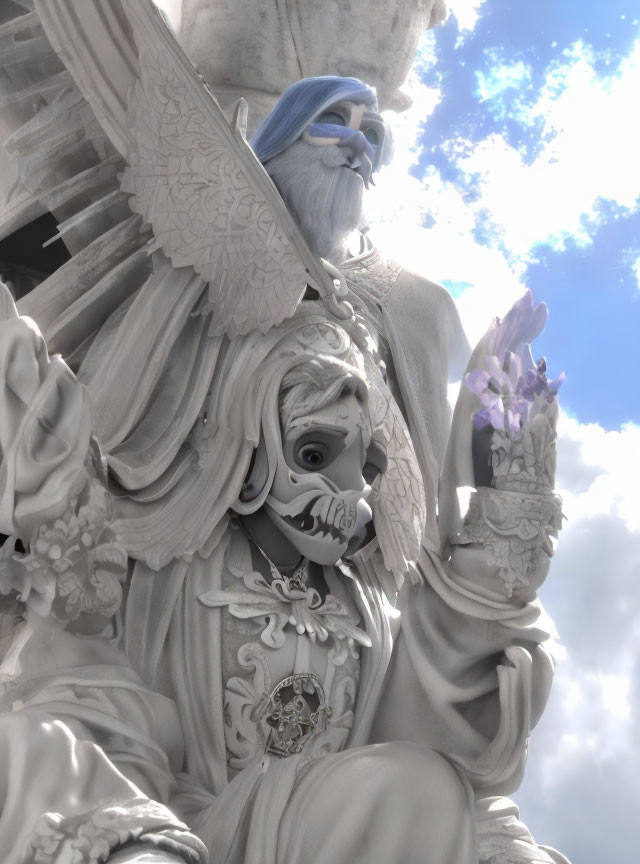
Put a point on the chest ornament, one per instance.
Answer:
(289, 601)
(294, 711)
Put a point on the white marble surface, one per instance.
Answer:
(259, 47)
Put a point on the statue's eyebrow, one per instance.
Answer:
(343, 105)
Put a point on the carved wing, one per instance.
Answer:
(398, 502)
(211, 204)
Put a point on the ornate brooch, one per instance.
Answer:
(294, 710)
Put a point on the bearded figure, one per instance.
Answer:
(242, 616)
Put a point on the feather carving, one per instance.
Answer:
(211, 204)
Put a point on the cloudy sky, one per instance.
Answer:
(524, 147)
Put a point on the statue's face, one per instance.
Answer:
(356, 130)
(319, 495)
(322, 175)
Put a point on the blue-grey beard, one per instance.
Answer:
(322, 194)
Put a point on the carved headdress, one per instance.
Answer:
(184, 509)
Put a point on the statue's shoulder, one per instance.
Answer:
(387, 282)
(423, 295)
(426, 305)
(421, 312)
(371, 275)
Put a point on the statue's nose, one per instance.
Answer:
(354, 146)
(359, 156)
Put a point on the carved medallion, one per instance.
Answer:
(295, 710)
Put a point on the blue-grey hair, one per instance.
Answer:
(299, 104)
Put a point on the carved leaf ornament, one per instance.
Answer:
(211, 204)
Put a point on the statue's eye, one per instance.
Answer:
(332, 118)
(312, 456)
(372, 137)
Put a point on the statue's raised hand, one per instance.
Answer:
(504, 444)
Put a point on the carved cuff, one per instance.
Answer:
(514, 528)
(90, 838)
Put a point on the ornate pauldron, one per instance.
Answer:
(295, 710)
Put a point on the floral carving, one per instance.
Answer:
(528, 463)
(511, 394)
(89, 838)
(73, 565)
(515, 519)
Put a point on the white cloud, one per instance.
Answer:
(589, 154)
(433, 226)
(636, 270)
(500, 76)
(466, 12)
(608, 479)
(615, 696)
(585, 754)
(446, 251)
(401, 205)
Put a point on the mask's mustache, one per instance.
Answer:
(331, 517)
(306, 501)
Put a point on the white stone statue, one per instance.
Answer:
(236, 626)
(257, 48)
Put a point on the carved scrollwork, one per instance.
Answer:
(279, 605)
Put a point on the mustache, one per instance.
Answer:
(332, 156)
(307, 500)
(323, 514)
(336, 157)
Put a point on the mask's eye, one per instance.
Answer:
(312, 456)
(332, 118)
(372, 137)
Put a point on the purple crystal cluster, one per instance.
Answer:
(512, 392)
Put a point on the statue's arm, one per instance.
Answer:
(88, 753)
(471, 672)
(469, 676)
